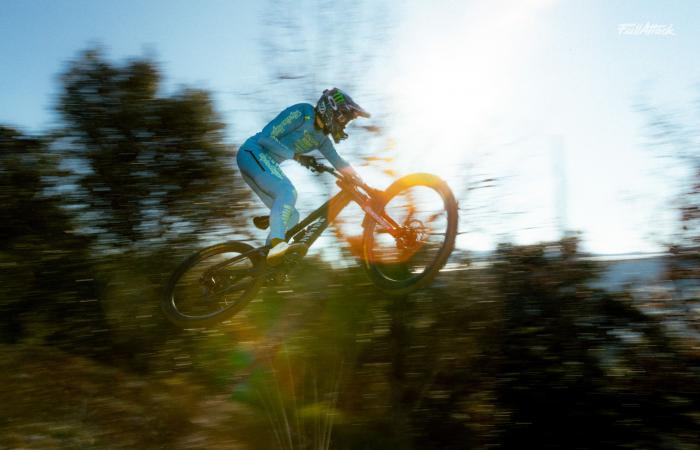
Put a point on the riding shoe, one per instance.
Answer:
(281, 248)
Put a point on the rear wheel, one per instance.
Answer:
(426, 211)
(213, 285)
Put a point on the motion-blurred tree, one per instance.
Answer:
(149, 177)
(676, 137)
(149, 166)
(314, 46)
(571, 356)
(41, 255)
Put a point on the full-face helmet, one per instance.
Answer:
(336, 109)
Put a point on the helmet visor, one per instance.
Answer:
(357, 110)
(361, 112)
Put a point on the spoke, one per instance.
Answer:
(432, 217)
(411, 212)
(225, 263)
(235, 287)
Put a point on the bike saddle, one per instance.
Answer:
(261, 222)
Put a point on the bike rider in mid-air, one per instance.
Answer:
(298, 129)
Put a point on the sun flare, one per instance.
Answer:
(453, 80)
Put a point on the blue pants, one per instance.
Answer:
(264, 176)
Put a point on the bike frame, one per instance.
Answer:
(309, 229)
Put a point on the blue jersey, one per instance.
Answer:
(292, 132)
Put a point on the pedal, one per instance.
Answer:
(261, 222)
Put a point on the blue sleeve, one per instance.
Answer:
(288, 120)
(329, 152)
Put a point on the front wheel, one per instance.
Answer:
(425, 210)
(212, 285)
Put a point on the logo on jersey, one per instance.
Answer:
(279, 129)
(306, 142)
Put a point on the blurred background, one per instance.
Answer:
(567, 317)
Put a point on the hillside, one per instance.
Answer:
(54, 400)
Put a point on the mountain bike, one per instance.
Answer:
(409, 232)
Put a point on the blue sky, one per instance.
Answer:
(469, 89)
(213, 47)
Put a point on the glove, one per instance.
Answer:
(350, 173)
(304, 160)
(354, 177)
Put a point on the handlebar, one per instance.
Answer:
(313, 165)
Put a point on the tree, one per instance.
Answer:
(41, 254)
(677, 138)
(147, 166)
(583, 367)
(148, 177)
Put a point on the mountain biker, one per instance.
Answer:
(298, 129)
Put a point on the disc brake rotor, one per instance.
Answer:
(414, 236)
